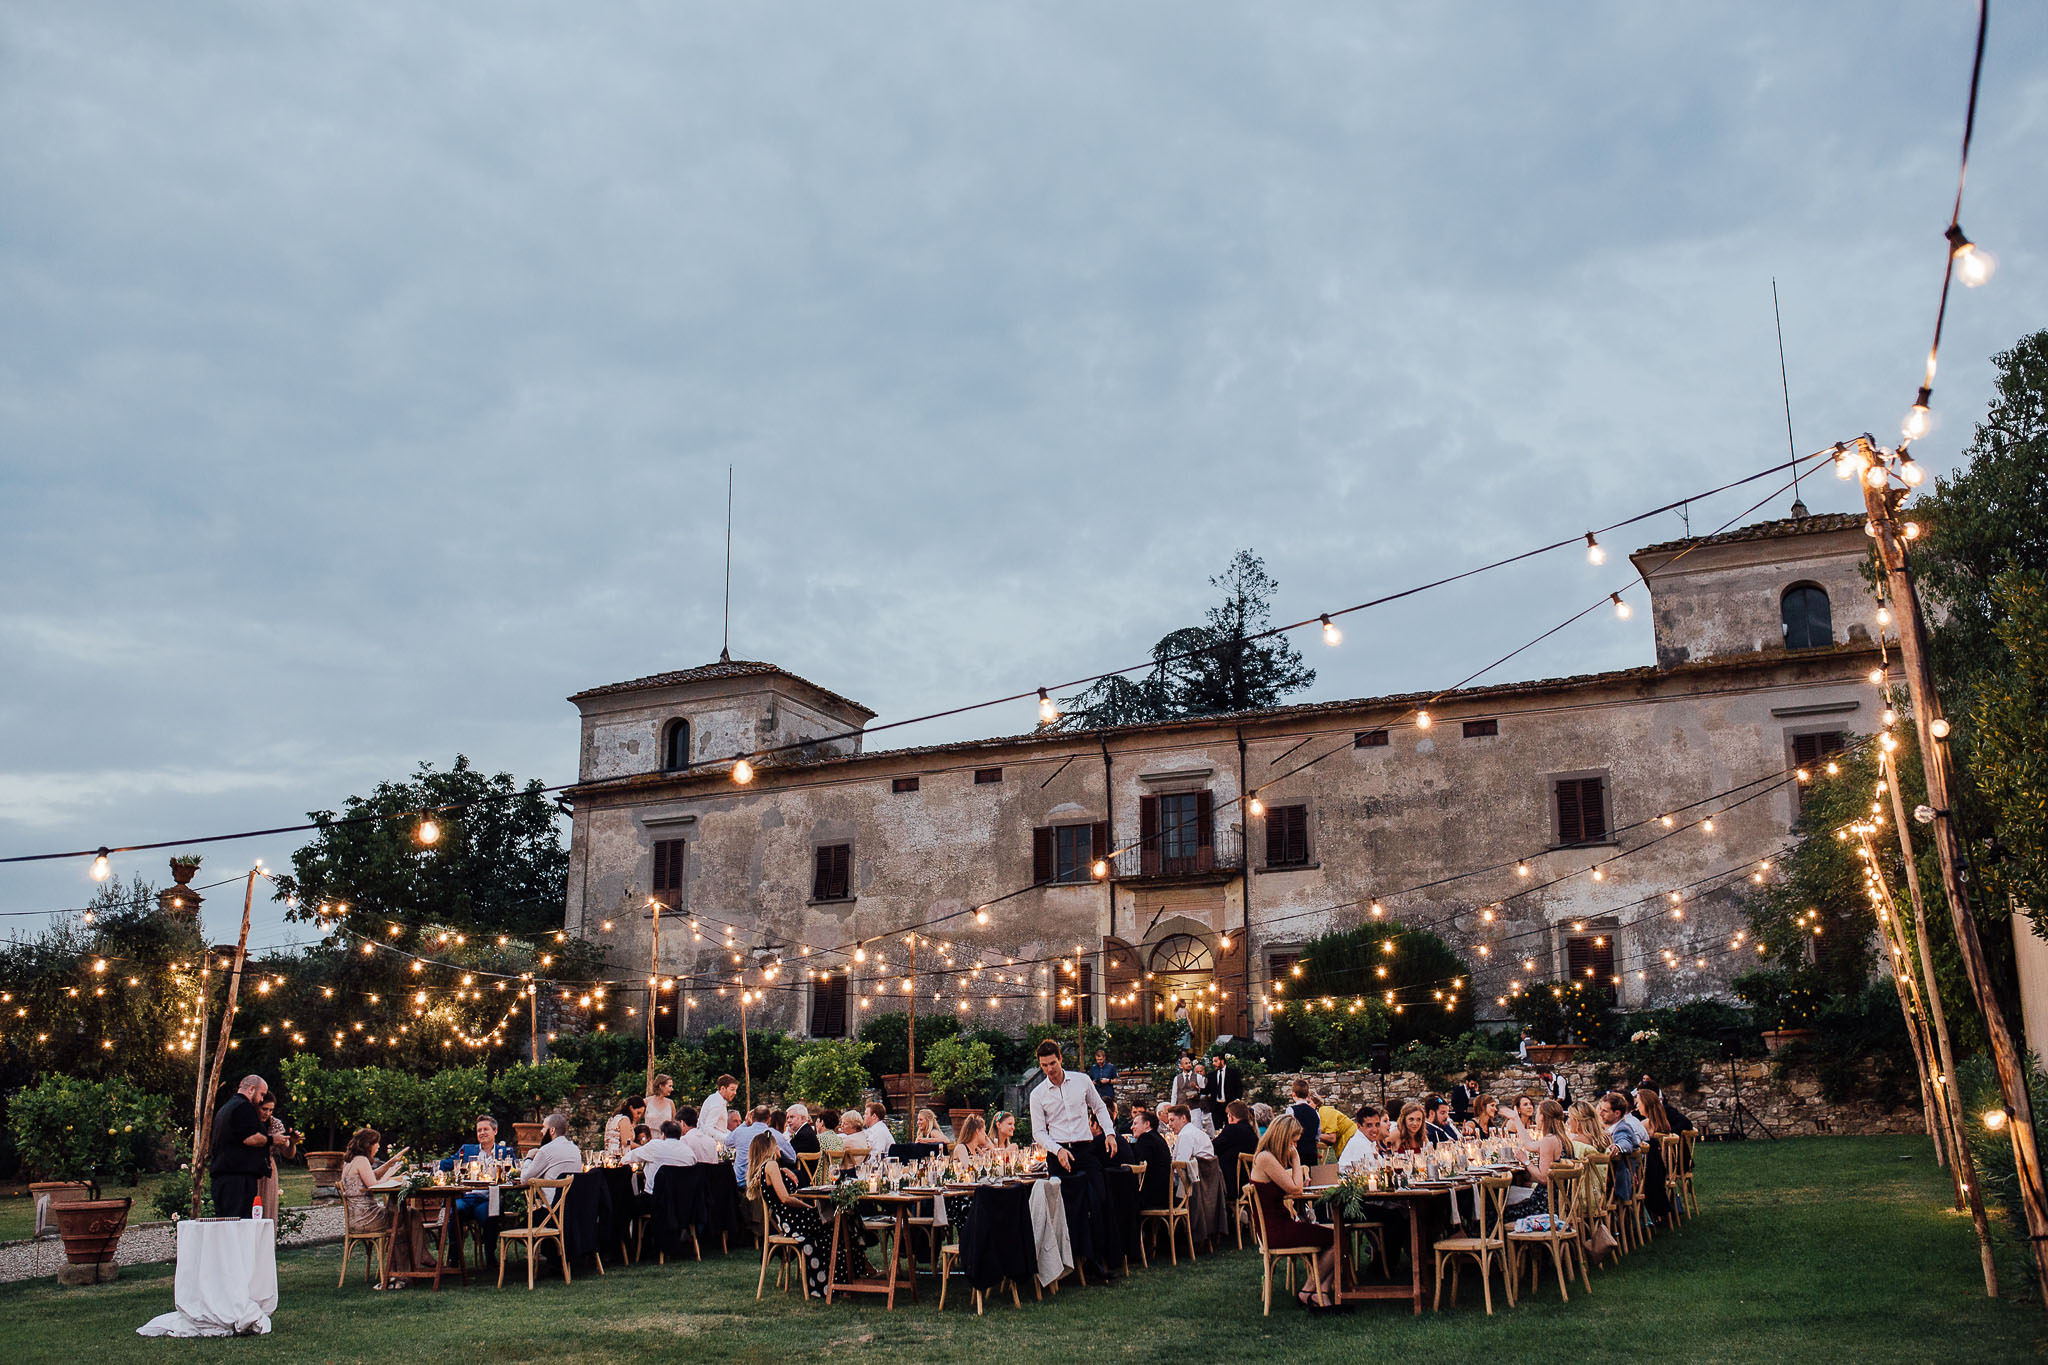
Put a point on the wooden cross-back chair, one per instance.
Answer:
(1486, 1249)
(1268, 1254)
(1175, 1215)
(1561, 1239)
(543, 1224)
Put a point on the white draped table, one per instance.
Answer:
(227, 1279)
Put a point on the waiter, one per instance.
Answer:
(1060, 1108)
(240, 1155)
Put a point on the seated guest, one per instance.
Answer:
(1436, 1115)
(743, 1138)
(1623, 1137)
(642, 1133)
(1149, 1148)
(803, 1134)
(795, 1217)
(1362, 1152)
(632, 1111)
(667, 1150)
(1278, 1175)
(476, 1205)
(1262, 1117)
(1650, 1114)
(879, 1136)
(973, 1139)
(657, 1108)
(366, 1212)
(1336, 1128)
(1411, 1131)
(1234, 1139)
(557, 1158)
(734, 1119)
(927, 1128)
(853, 1139)
(1521, 1120)
(1485, 1117)
(1676, 1120)
(1551, 1145)
(1002, 1131)
(1585, 1135)
(829, 1140)
(701, 1140)
(1190, 1143)
(1463, 1096)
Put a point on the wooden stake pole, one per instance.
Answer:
(653, 991)
(2012, 1074)
(533, 1017)
(910, 1116)
(202, 1137)
(746, 1057)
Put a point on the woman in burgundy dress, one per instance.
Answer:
(1277, 1176)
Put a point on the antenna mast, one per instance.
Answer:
(725, 637)
(1785, 385)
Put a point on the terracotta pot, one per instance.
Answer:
(60, 1191)
(1554, 1054)
(954, 1117)
(325, 1168)
(181, 873)
(92, 1228)
(1778, 1039)
(896, 1090)
(527, 1136)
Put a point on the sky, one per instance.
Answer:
(371, 372)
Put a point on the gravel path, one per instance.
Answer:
(144, 1242)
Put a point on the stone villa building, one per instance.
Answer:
(1138, 847)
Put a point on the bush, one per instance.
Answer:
(1472, 1055)
(1782, 997)
(1565, 1012)
(1063, 1034)
(1307, 1035)
(831, 1072)
(1669, 1059)
(890, 1034)
(321, 1102)
(602, 1057)
(961, 1072)
(173, 1197)
(1346, 966)
(100, 1131)
(1012, 1057)
(1136, 1045)
(530, 1091)
(765, 1059)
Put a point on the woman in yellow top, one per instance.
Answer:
(1336, 1129)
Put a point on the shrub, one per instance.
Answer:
(1782, 997)
(602, 1057)
(532, 1091)
(830, 1072)
(1063, 1034)
(1471, 1055)
(1136, 1045)
(1309, 1034)
(1346, 966)
(890, 1035)
(1565, 1012)
(96, 1131)
(961, 1071)
(1012, 1057)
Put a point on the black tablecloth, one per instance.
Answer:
(1121, 1217)
(996, 1243)
(914, 1151)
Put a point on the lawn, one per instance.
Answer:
(18, 1212)
(1810, 1249)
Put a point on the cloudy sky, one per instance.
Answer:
(370, 373)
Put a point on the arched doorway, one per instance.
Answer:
(1184, 970)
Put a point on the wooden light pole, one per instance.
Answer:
(1880, 503)
(653, 989)
(533, 1017)
(910, 1105)
(202, 1135)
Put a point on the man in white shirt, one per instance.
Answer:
(717, 1105)
(701, 1140)
(1362, 1152)
(670, 1149)
(876, 1135)
(555, 1159)
(1060, 1109)
(1190, 1143)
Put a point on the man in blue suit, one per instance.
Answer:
(476, 1205)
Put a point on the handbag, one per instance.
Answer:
(1602, 1240)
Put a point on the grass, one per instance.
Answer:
(18, 1212)
(1822, 1248)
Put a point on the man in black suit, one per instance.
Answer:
(1151, 1149)
(1226, 1083)
(1304, 1111)
(803, 1134)
(1463, 1095)
(1436, 1118)
(240, 1155)
(1237, 1137)
(1554, 1085)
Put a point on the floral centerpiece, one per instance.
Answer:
(1348, 1196)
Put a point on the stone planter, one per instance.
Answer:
(527, 1136)
(955, 1117)
(181, 873)
(896, 1091)
(60, 1191)
(1554, 1054)
(1778, 1039)
(91, 1229)
(325, 1168)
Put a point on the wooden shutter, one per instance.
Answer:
(828, 1007)
(1098, 844)
(1148, 834)
(1286, 836)
(1810, 749)
(1205, 831)
(1593, 808)
(670, 857)
(1042, 859)
(1569, 827)
(1276, 836)
(1231, 1016)
(1590, 962)
(832, 878)
(1120, 977)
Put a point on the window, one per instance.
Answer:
(828, 1007)
(1370, 739)
(1286, 836)
(1280, 972)
(1067, 853)
(1479, 729)
(1808, 750)
(1581, 810)
(670, 857)
(1178, 833)
(1589, 959)
(903, 784)
(984, 776)
(1070, 1003)
(1804, 615)
(675, 746)
(668, 1014)
(832, 874)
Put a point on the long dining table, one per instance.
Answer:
(1412, 1200)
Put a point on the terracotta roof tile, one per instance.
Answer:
(1767, 530)
(720, 668)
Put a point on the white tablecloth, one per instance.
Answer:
(227, 1279)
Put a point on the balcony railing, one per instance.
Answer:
(1178, 855)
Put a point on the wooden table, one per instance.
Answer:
(393, 1195)
(899, 1203)
(1413, 1199)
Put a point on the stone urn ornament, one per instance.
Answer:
(183, 865)
(91, 1229)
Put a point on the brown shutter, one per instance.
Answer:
(1042, 864)
(1568, 823)
(828, 1007)
(1148, 834)
(1205, 831)
(821, 873)
(1120, 976)
(1593, 808)
(1230, 1011)
(1276, 837)
(1098, 843)
(669, 859)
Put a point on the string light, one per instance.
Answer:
(1938, 727)
(1422, 719)
(1974, 265)
(1594, 553)
(100, 866)
(742, 772)
(1331, 635)
(1256, 806)
(1047, 712)
(1621, 608)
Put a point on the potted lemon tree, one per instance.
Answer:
(87, 1132)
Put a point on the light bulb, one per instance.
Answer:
(1938, 727)
(1846, 465)
(1521, 869)
(1101, 869)
(981, 915)
(1876, 476)
(429, 832)
(743, 772)
(1891, 717)
(1621, 608)
(1994, 1119)
(1911, 472)
(1422, 720)
(1599, 875)
(1257, 806)
(861, 954)
(1974, 265)
(99, 866)
(1047, 712)
(1707, 825)
(1884, 616)
(1912, 530)
(1331, 635)
(1917, 423)
(1594, 554)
